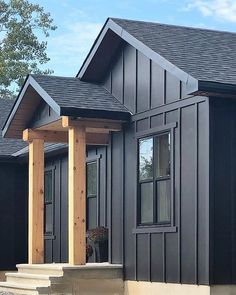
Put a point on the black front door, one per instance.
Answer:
(55, 211)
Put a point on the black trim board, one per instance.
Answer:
(90, 113)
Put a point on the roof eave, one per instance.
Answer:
(210, 88)
(28, 81)
(92, 113)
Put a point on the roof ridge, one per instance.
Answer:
(53, 76)
(174, 26)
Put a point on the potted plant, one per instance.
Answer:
(99, 236)
(89, 251)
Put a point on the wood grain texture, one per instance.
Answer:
(77, 193)
(36, 202)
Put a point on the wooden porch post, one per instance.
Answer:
(77, 193)
(36, 202)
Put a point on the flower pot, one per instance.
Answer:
(101, 251)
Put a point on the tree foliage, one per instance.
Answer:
(23, 29)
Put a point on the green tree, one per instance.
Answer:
(23, 29)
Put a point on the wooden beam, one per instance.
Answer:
(62, 136)
(97, 139)
(92, 125)
(36, 202)
(77, 195)
(47, 136)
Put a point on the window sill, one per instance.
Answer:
(154, 229)
(49, 237)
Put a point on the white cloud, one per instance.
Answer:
(224, 10)
(68, 50)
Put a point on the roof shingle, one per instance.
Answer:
(8, 146)
(70, 92)
(206, 55)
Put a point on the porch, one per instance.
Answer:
(77, 133)
(40, 115)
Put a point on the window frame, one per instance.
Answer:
(50, 235)
(155, 226)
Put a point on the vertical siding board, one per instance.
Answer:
(129, 202)
(221, 227)
(109, 199)
(107, 82)
(64, 206)
(57, 212)
(129, 77)
(171, 259)
(117, 78)
(172, 88)
(156, 120)
(203, 194)
(7, 229)
(157, 85)
(105, 186)
(143, 83)
(187, 192)
(117, 190)
(233, 191)
(157, 274)
(142, 254)
(142, 125)
(164, 256)
(196, 191)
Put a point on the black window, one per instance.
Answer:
(48, 201)
(91, 190)
(154, 179)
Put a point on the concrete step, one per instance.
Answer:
(44, 269)
(93, 279)
(25, 289)
(30, 279)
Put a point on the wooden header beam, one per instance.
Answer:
(47, 136)
(97, 125)
(62, 136)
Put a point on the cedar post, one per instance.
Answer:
(77, 193)
(36, 202)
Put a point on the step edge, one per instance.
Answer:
(32, 276)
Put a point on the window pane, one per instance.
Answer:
(48, 188)
(163, 200)
(92, 178)
(162, 155)
(48, 218)
(145, 158)
(91, 213)
(146, 202)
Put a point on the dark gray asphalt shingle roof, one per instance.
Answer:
(73, 93)
(204, 54)
(8, 146)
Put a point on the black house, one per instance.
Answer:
(151, 118)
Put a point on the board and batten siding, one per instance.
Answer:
(223, 190)
(139, 83)
(56, 246)
(174, 257)
(156, 98)
(13, 214)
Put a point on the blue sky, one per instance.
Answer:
(79, 22)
